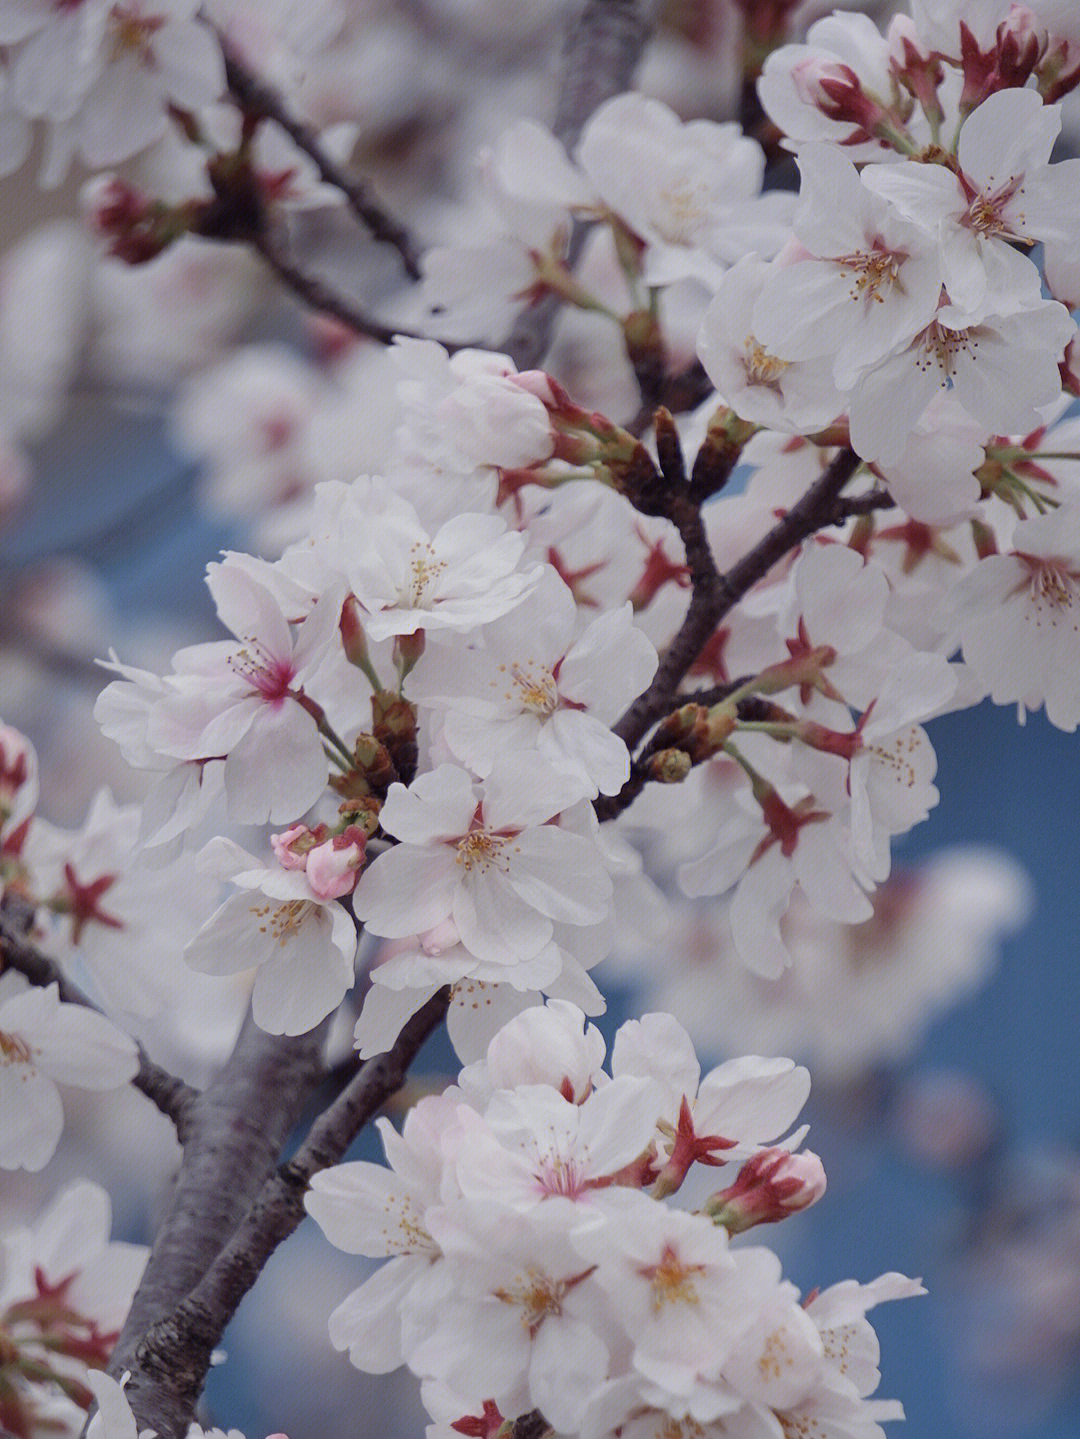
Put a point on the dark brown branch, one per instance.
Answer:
(713, 594)
(171, 1095)
(601, 54)
(851, 507)
(261, 101)
(175, 1354)
(237, 1128)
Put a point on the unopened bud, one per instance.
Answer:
(407, 650)
(772, 1185)
(292, 846)
(670, 766)
(353, 639)
(334, 866)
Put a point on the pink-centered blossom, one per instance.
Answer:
(487, 857)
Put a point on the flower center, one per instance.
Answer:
(986, 213)
(269, 676)
(940, 347)
(130, 33)
(537, 1295)
(761, 367)
(424, 572)
(874, 271)
(482, 850)
(672, 1280)
(536, 690)
(14, 1049)
(282, 921)
(775, 1357)
(1052, 588)
(682, 214)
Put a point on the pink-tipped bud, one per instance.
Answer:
(136, 228)
(334, 866)
(353, 639)
(293, 845)
(407, 650)
(772, 1185)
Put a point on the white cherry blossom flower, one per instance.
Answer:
(534, 682)
(872, 282)
(524, 1323)
(246, 702)
(108, 86)
(1001, 369)
(534, 1144)
(369, 1209)
(69, 1244)
(485, 857)
(407, 577)
(673, 1283)
(1005, 192)
(301, 945)
(44, 1042)
(794, 395)
(1017, 616)
(691, 191)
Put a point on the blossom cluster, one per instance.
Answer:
(533, 1263)
(469, 709)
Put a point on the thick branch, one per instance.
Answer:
(171, 1095)
(261, 100)
(599, 60)
(176, 1352)
(237, 1129)
(713, 594)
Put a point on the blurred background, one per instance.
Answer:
(150, 418)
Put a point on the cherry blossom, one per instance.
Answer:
(873, 279)
(485, 857)
(1005, 193)
(691, 192)
(44, 1042)
(785, 394)
(301, 943)
(560, 690)
(245, 703)
(1017, 616)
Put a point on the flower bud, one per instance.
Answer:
(334, 866)
(770, 1186)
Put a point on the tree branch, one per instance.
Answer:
(175, 1354)
(171, 1095)
(319, 296)
(262, 101)
(237, 1128)
(713, 594)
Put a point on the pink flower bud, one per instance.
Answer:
(771, 1185)
(334, 866)
(352, 632)
(292, 846)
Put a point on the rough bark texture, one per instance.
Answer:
(236, 1130)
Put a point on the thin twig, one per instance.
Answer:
(261, 100)
(713, 595)
(171, 1095)
(319, 296)
(176, 1351)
